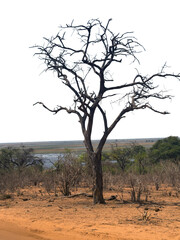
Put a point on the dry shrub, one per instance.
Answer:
(172, 173)
(48, 181)
(138, 185)
(68, 172)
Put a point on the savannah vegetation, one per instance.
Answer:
(85, 58)
(134, 167)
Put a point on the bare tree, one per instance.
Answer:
(84, 54)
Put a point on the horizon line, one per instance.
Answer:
(113, 139)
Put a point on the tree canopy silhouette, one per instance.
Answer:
(84, 57)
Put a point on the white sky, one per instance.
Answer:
(155, 23)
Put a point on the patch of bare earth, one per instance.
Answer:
(35, 215)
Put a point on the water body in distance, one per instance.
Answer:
(49, 158)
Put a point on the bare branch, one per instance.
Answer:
(94, 50)
(59, 108)
(80, 52)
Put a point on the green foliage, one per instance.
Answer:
(166, 149)
(87, 164)
(18, 168)
(106, 156)
(18, 158)
(122, 156)
(140, 156)
(6, 157)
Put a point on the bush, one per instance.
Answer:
(68, 172)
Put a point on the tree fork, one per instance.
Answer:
(75, 75)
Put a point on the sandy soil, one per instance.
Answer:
(35, 215)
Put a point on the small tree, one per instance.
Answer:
(18, 167)
(18, 158)
(140, 156)
(84, 56)
(6, 156)
(122, 156)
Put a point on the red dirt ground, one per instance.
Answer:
(35, 215)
